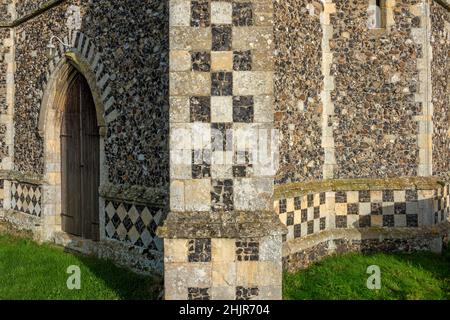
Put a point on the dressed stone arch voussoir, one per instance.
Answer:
(81, 57)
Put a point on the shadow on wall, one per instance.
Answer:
(132, 39)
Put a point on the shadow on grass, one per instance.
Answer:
(39, 272)
(126, 284)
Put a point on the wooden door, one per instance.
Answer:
(80, 162)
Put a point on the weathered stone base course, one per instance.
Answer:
(298, 255)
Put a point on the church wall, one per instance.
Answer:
(298, 83)
(126, 46)
(440, 43)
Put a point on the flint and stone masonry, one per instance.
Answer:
(237, 138)
(221, 238)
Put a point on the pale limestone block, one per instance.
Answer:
(262, 60)
(180, 171)
(181, 158)
(399, 196)
(201, 135)
(297, 217)
(365, 208)
(263, 13)
(283, 217)
(180, 13)
(270, 293)
(180, 60)
(269, 273)
(190, 84)
(310, 211)
(247, 273)
(376, 196)
(175, 250)
(197, 274)
(179, 109)
(329, 8)
(263, 109)
(254, 38)
(222, 60)
(377, 221)
(290, 233)
(253, 194)
(352, 196)
(180, 137)
(304, 228)
(222, 158)
(340, 209)
(190, 38)
(198, 195)
(223, 250)
(178, 277)
(177, 196)
(254, 83)
(222, 171)
(221, 109)
(223, 274)
(270, 248)
(223, 293)
(290, 204)
(221, 12)
(276, 206)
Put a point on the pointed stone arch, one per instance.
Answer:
(83, 58)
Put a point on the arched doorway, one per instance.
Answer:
(80, 161)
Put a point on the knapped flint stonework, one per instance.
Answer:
(440, 42)
(24, 7)
(298, 84)
(4, 14)
(136, 153)
(376, 80)
(349, 102)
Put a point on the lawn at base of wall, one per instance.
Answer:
(415, 276)
(32, 271)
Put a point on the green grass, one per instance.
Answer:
(32, 271)
(416, 276)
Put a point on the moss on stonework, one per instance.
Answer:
(400, 183)
(27, 177)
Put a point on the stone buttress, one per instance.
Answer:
(222, 238)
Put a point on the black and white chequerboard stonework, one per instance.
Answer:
(304, 215)
(26, 198)
(308, 214)
(134, 224)
(246, 250)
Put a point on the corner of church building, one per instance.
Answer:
(221, 143)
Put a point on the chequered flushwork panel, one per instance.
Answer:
(310, 214)
(198, 294)
(303, 215)
(26, 198)
(247, 250)
(2, 192)
(441, 205)
(135, 224)
(222, 107)
(221, 93)
(199, 250)
(243, 293)
(380, 208)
